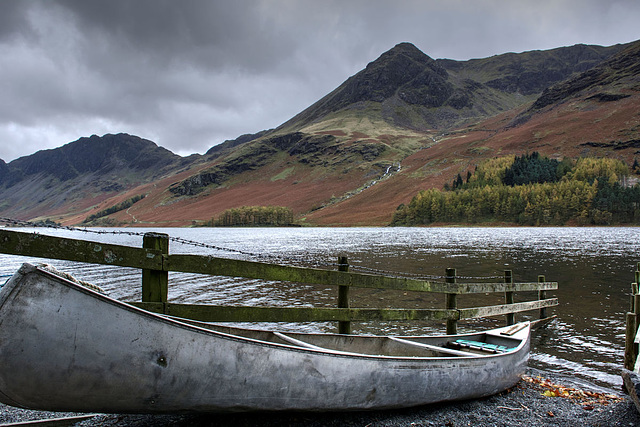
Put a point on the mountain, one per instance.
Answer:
(81, 172)
(594, 112)
(621, 71)
(404, 123)
(406, 88)
(93, 155)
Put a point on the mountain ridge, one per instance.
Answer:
(454, 85)
(403, 123)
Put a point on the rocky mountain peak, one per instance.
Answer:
(94, 154)
(401, 70)
(403, 50)
(403, 73)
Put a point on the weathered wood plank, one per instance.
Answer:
(42, 246)
(255, 270)
(478, 288)
(542, 295)
(510, 318)
(212, 313)
(497, 310)
(200, 264)
(343, 296)
(155, 283)
(451, 302)
(630, 348)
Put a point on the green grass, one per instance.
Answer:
(284, 174)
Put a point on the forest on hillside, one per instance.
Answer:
(252, 216)
(532, 190)
(113, 209)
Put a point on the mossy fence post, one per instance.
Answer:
(343, 296)
(542, 295)
(631, 344)
(155, 283)
(451, 301)
(508, 297)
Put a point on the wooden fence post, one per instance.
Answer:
(508, 298)
(636, 314)
(635, 321)
(344, 327)
(630, 347)
(634, 288)
(155, 283)
(542, 295)
(451, 301)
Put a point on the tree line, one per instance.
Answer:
(531, 190)
(244, 216)
(115, 208)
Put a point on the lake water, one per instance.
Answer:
(594, 268)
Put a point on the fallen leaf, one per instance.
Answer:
(588, 398)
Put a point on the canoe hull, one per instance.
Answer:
(67, 348)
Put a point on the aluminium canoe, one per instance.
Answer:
(64, 347)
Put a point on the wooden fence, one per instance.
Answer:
(631, 371)
(156, 262)
(632, 338)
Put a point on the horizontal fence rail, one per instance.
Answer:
(43, 246)
(212, 313)
(155, 261)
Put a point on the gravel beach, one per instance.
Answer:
(534, 401)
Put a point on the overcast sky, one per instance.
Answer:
(190, 74)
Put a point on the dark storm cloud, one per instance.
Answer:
(203, 34)
(190, 74)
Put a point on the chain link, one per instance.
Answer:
(180, 240)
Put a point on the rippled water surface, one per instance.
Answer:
(594, 268)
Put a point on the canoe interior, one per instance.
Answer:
(434, 346)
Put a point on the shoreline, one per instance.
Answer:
(535, 400)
